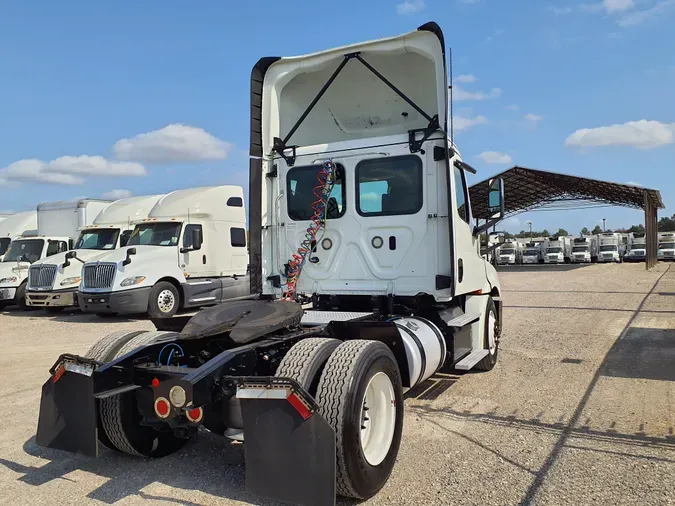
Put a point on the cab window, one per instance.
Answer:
(187, 235)
(54, 247)
(389, 186)
(301, 183)
(460, 192)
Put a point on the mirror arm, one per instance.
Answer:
(479, 229)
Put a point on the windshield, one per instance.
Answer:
(24, 251)
(105, 238)
(531, 253)
(608, 247)
(507, 252)
(667, 245)
(554, 250)
(155, 234)
(577, 249)
(4, 244)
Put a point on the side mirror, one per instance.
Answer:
(496, 198)
(196, 239)
(130, 251)
(69, 255)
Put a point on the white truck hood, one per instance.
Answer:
(357, 104)
(73, 270)
(14, 269)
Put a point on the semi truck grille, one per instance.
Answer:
(41, 277)
(99, 275)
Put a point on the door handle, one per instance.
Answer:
(460, 270)
(204, 259)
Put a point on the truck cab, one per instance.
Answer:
(666, 249)
(54, 281)
(610, 247)
(532, 253)
(190, 251)
(15, 226)
(584, 250)
(557, 250)
(509, 253)
(638, 249)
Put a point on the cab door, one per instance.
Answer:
(193, 251)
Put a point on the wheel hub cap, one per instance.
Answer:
(378, 419)
(165, 301)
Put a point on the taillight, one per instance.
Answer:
(195, 415)
(162, 407)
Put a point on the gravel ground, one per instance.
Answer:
(580, 409)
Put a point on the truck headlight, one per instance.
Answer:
(70, 281)
(134, 280)
(8, 280)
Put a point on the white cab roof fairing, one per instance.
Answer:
(17, 224)
(126, 210)
(209, 202)
(358, 104)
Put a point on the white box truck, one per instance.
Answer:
(57, 228)
(532, 254)
(666, 249)
(509, 253)
(15, 226)
(558, 250)
(584, 250)
(610, 247)
(189, 252)
(638, 248)
(53, 282)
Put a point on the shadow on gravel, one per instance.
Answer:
(209, 464)
(642, 353)
(70, 316)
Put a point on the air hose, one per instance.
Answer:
(326, 178)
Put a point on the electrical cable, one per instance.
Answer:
(326, 178)
(159, 357)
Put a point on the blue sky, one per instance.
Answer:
(81, 81)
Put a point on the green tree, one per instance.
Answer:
(637, 228)
(597, 230)
(585, 231)
(562, 232)
(667, 224)
(545, 233)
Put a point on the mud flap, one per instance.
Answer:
(289, 449)
(67, 418)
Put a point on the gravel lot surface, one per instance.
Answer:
(580, 409)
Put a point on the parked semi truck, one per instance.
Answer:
(57, 228)
(53, 281)
(189, 252)
(532, 254)
(638, 249)
(339, 208)
(15, 226)
(610, 247)
(557, 250)
(510, 253)
(666, 250)
(584, 249)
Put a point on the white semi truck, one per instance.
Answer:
(532, 254)
(510, 253)
(638, 248)
(610, 247)
(57, 228)
(557, 250)
(189, 252)
(15, 226)
(360, 209)
(584, 249)
(53, 281)
(666, 249)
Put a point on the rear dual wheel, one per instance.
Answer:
(360, 394)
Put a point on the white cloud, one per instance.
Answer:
(173, 143)
(533, 117)
(466, 78)
(495, 157)
(116, 194)
(512, 107)
(95, 166)
(637, 17)
(617, 5)
(642, 134)
(464, 123)
(459, 94)
(410, 7)
(32, 170)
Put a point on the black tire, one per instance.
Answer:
(154, 309)
(121, 420)
(3, 305)
(340, 395)
(106, 315)
(104, 351)
(305, 361)
(20, 297)
(489, 361)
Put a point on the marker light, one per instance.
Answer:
(177, 396)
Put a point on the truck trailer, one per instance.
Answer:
(361, 213)
(189, 252)
(610, 247)
(53, 282)
(557, 250)
(584, 249)
(57, 228)
(15, 226)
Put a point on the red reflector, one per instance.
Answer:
(162, 407)
(195, 415)
(155, 382)
(299, 406)
(58, 373)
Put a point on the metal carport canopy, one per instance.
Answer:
(526, 189)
